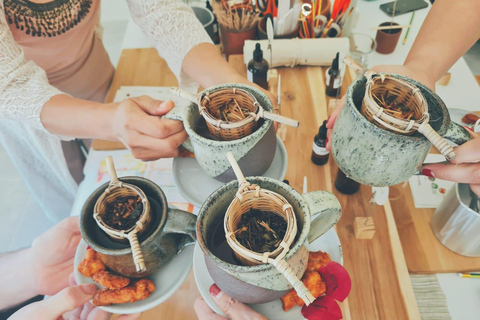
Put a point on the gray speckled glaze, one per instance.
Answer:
(174, 230)
(254, 153)
(377, 157)
(316, 212)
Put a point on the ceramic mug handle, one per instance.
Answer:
(457, 134)
(181, 222)
(177, 114)
(325, 211)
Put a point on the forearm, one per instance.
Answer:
(439, 44)
(16, 272)
(205, 65)
(67, 116)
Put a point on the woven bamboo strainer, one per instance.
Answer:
(116, 189)
(251, 196)
(209, 105)
(382, 89)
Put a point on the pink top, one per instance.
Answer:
(75, 60)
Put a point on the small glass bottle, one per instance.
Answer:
(344, 184)
(258, 68)
(216, 31)
(334, 78)
(319, 152)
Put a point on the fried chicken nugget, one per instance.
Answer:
(110, 280)
(316, 260)
(314, 283)
(91, 264)
(137, 290)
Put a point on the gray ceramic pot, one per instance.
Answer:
(171, 231)
(255, 152)
(377, 157)
(316, 212)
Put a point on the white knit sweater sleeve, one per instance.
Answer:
(172, 26)
(24, 87)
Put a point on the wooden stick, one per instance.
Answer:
(391, 27)
(281, 119)
(238, 172)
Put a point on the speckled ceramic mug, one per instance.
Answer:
(171, 231)
(316, 212)
(377, 157)
(254, 152)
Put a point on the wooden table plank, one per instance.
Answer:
(375, 265)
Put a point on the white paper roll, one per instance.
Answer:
(304, 52)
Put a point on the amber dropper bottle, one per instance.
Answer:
(320, 153)
(258, 68)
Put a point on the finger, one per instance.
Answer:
(328, 144)
(152, 106)
(87, 310)
(232, 308)
(156, 127)
(147, 148)
(71, 280)
(96, 314)
(70, 223)
(468, 152)
(68, 299)
(204, 312)
(134, 316)
(335, 113)
(475, 188)
(462, 173)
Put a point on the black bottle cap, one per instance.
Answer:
(323, 129)
(335, 61)
(258, 53)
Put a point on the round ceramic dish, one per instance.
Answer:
(167, 281)
(189, 175)
(329, 243)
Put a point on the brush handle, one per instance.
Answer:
(280, 119)
(284, 268)
(111, 170)
(185, 94)
(136, 252)
(438, 141)
(236, 169)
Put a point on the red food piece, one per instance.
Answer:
(337, 280)
(323, 308)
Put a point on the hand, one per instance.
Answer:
(465, 168)
(233, 309)
(52, 255)
(74, 298)
(405, 70)
(137, 123)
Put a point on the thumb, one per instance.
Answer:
(232, 308)
(152, 106)
(67, 300)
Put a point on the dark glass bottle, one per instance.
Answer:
(216, 31)
(334, 78)
(319, 152)
(344, 184)
(258, 68)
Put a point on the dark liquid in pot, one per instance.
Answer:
(217, 243)
(104, 240)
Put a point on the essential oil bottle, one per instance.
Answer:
(319, 152)
(344, 184)
(334, 78)
(258, 68)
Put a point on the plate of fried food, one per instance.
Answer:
(324, 250)
(123, 295)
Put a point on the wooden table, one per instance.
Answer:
(381, 285)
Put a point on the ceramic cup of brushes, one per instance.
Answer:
(315, 213)
(229, 117)
(166, 232)
(386, 146)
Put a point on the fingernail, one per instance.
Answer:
(428, 173)
(214, 290)
(89, 288)
(468, 128)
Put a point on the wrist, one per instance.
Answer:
(107, 114)
(422, 72)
